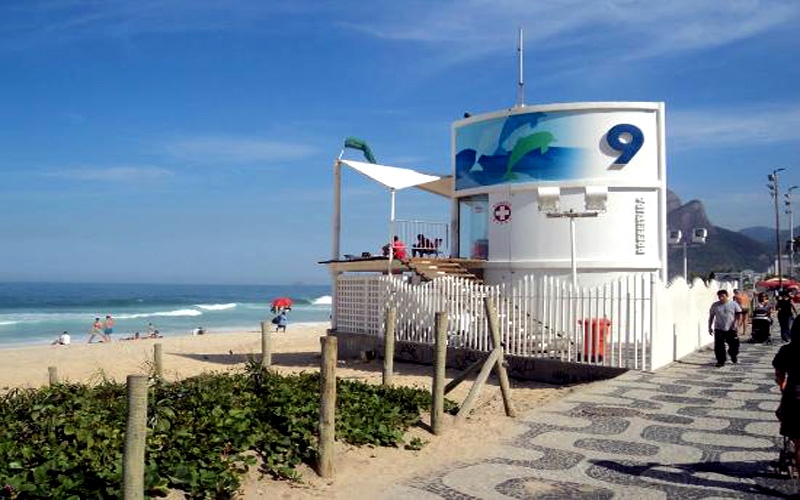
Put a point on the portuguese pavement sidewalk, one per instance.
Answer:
(688, 431)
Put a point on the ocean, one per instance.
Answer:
(36, 313)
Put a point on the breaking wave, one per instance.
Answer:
(178, 312)
(216, 307)
(325, 300)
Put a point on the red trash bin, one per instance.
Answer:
(595, 335)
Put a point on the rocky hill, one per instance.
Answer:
(724, 250)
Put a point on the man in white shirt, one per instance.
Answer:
(62, 339)
(722, 320)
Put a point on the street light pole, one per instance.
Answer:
(790, 213)
(685, 263)
(774, 190)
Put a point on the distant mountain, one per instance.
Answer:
(766, 235)
(724, 250)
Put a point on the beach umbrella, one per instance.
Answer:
(774, 283)
(282, 303)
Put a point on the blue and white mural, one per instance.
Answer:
(539, 146)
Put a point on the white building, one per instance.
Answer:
(558, 211)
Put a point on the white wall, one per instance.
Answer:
(682, 319)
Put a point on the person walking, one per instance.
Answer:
(786, 313)
(97, 330)
(282, 322)
(742, 298)
(108, 328)
(787, 376)
(722, 321)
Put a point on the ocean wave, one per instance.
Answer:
(216, 307)
(325, 300)
(27, 317)
(179, 312)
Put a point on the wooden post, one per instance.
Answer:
(463, 375)
(472, 397)
(266, 345)
(158, 360)
(135, 435)
(494, 329)
(327, 414)
(388, 345)
(52, 375)
(439, 361)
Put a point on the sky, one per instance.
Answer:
(192, 141)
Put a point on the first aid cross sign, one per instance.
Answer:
(501, 212)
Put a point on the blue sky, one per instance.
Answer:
(192, 141)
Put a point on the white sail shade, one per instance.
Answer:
(397, 178)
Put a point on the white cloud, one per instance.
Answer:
(745, 126)
(624, 29)
(225, 150)
(112, 174)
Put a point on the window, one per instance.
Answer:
(473, 225)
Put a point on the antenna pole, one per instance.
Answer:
(521, 83)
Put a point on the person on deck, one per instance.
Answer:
(399, 249)
(787, 376)
(722, 320)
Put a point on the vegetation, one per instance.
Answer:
(66, 441)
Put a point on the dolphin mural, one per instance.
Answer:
(514, 122)
(539, 140)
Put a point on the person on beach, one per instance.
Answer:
(152, 332)
(787, 376)
(722, 320)
(742, 298)
(97, 330)
(280, 325)
(108, 327)
(786, 312)
(63, 339)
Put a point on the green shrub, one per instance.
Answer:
(204, 432)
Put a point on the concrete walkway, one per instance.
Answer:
(688, 431)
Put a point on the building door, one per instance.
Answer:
(473, 227)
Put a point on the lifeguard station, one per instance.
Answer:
(558, 212)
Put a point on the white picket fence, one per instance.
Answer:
(619, 324)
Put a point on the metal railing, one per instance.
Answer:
(424, 238)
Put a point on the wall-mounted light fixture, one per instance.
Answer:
(595, 201)
(548, 198)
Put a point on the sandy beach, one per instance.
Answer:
(360, 472)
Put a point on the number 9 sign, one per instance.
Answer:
(627, 148)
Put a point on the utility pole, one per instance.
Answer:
(774, 190)
(790, 213)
